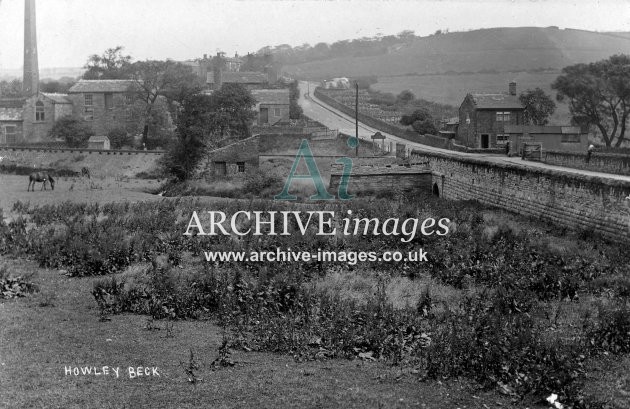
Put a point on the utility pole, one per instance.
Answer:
(356, 116)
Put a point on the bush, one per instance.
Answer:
(73, 130)
(611, 332)
(118, 138)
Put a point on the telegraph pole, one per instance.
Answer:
(356, 116)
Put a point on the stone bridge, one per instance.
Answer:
(574, 200)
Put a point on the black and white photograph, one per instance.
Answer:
(315, 204)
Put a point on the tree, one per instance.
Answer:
(405, 97)
(233, 112)
(111, 65)
(421, 121)
(72, 130)
(11, 89)
(118, 137)
(295, 110)
(194, 130)
(538, 106)
(170, 80)
(598, 94)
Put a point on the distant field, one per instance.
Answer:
(78, 190)
(451, 89)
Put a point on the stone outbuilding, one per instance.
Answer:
(272, 106)
(99, 142)
(552, 138)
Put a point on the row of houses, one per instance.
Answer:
(103, 105)
(495, 120)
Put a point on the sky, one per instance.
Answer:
(69, 31)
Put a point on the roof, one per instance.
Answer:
(98, 138)
(10, 114)
(271, 96)
(496, 101)
(551, 129)
(12, 102)
(102, 86)
(244, 77)
(58, 98)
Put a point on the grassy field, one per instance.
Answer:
(62, 325)
(451, 89)
(75, 189)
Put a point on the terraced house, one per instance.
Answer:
(103, 104)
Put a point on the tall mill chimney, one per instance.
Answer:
(30, 78)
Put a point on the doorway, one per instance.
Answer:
(485, 141)
(264, 116)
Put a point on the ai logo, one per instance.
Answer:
(304, 152)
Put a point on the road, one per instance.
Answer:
(334, 119)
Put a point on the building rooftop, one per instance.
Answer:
(10, 114)
(58, 98)
(549, 129)
(98, 138)
(244, 77)
(12, 102)
(497, 101)
(271, 96)
(102, 86)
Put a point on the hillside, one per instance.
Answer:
(487, 50)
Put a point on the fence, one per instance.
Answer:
(430, 140)
(82, 150)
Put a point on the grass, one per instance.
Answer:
(37, 342)
(451, 89)
(97, 189)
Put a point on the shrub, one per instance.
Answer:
(611, 332)
(118, 138)
(73, 130)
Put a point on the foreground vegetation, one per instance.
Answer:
(509, 307)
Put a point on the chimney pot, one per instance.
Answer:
(512, 88)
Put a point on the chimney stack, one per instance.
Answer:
(30, 79)
(512, 88)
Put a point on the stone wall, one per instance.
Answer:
(574, 201)
(384, 180)
(599, 162)
(430, 140)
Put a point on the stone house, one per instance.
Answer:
(483, 118)
(272, 106)
(249, 79)
(103, 104)
(10, 123)
(31, 119)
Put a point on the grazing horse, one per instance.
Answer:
(85, 172)
(40, 177)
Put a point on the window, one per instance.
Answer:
(220, 168)
(277, 112)
(89, 107)
(10, 132)
(128, 99)
(502, 139)
(241, 166)
(109, 101)
(503, 117)
(39, 111)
